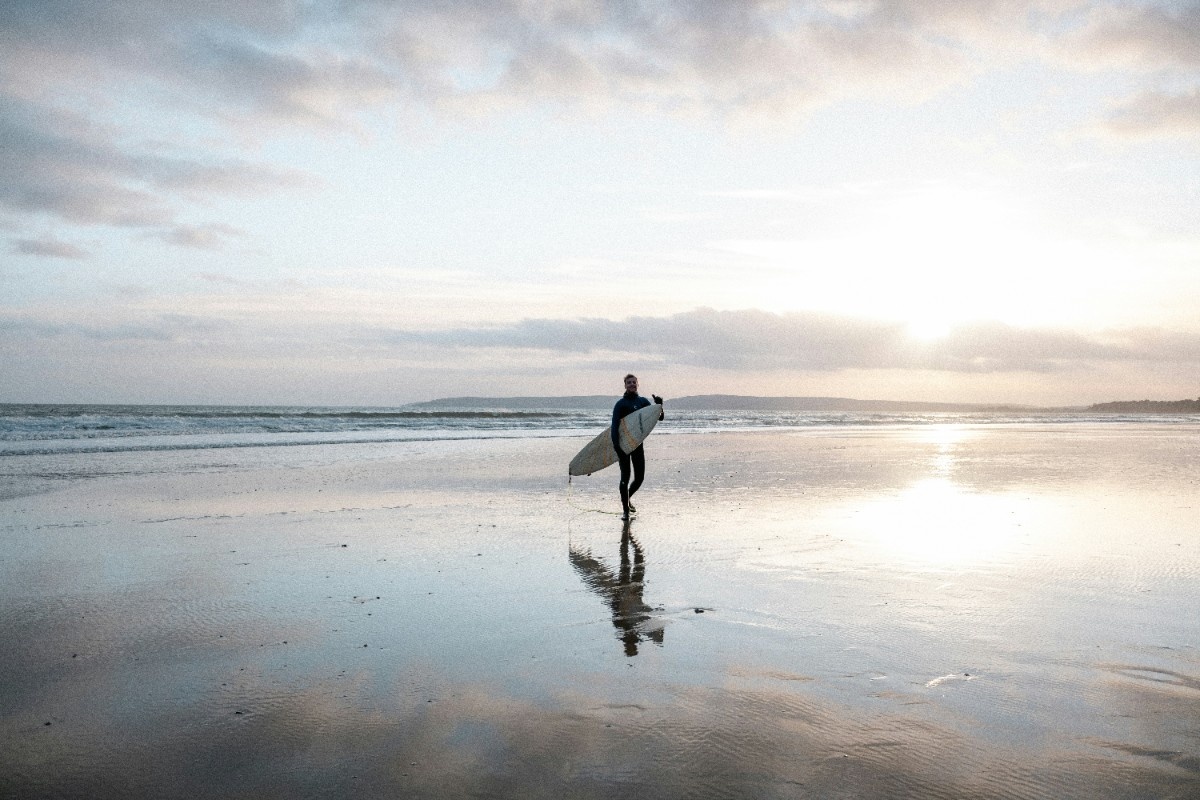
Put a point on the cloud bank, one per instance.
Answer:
(1161, 41)
(759, 340)
(742, 341)
(302, 62)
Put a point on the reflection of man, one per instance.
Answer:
(630, 402)
(630, 614)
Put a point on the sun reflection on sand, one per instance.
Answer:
(938, 522)
(944, 435)
(946, 438)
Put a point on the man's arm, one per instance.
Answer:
(614, 430)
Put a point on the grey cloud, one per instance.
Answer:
(737, 341)
(285, 86)
(63, 165)
(995, 347)
(752, 339)
(721, 339)
(1155, 36)
(200, 237)
(52, 248)
(312, 63)
(1160, 39)
(1156, 344)
(706, 56)
(271, 58)
(55, 162)
(293, 61)
(1155, 113)
(161, 328)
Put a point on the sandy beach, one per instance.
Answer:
(942, 611)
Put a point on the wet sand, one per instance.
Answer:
(926, 612)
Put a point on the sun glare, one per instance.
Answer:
(928, 329)
(930, 259)
(938, 523)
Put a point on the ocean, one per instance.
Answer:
(47, 429)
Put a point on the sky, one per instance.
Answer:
(359, 202)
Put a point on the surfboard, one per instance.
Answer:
(599, 453)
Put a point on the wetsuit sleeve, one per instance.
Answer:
(612, 431)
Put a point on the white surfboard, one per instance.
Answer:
(599, 452)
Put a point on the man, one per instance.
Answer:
(630, 402)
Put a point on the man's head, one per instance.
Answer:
(631, 383)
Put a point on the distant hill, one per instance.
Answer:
(1149, 407)
(719, 402)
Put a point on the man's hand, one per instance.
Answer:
(657, 399)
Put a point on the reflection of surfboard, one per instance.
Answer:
(599, 452)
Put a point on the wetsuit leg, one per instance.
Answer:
(624, 460)
(638, 457)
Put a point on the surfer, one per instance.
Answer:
(630, 402)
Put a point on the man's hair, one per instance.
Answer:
(627, 377)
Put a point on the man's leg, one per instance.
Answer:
(624, 460)
(638, 460)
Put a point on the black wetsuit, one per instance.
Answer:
(629, 403)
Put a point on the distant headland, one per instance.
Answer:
(1149, 407)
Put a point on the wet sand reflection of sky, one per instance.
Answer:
(896, 613)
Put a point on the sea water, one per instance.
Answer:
(27, 430)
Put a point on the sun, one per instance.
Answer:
(929, 328)
(947, 255)
(931, 258)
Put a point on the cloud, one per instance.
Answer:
(68, 167)
(308, 62)
(253, 66)
(996, 347)
(760, 340)
(721, 339)
(49, 247)
(57, 163)
(161, 328)
(286, 61)
(1156, 344)
(200, 237)
(1150, 36)
(1157, 113)
(318, 63)
(745, 341)
(728, 58)
(1159, 40)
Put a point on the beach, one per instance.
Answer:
(928, 611)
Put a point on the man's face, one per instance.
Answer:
(631, 384)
